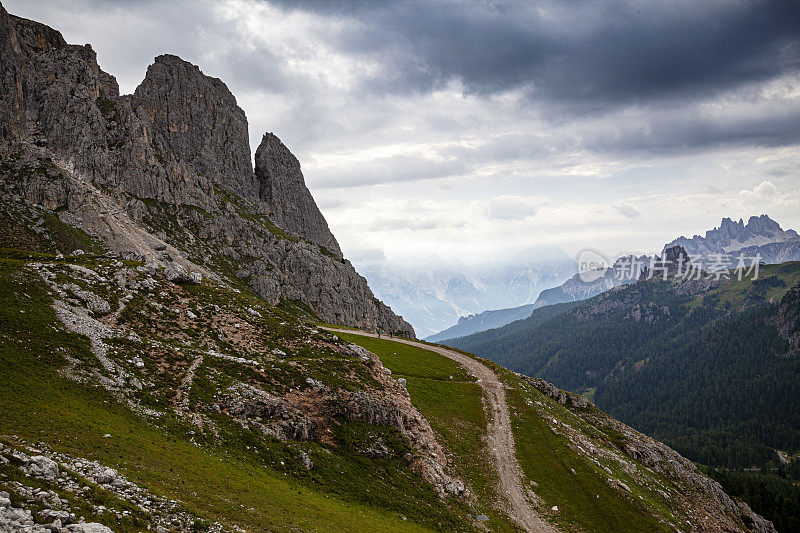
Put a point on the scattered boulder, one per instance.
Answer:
(41, 466)
(107, 476)
(308, 464)
(51, 515)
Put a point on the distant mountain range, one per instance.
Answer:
(761, 236)
(495, 318)
(433, 294)
(721, 247)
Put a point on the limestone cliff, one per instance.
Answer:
(291, 205)
(166, 174)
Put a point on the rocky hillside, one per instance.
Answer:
(135, 398)
(165, 362)
(165, 175)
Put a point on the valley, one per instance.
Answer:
(185, 345)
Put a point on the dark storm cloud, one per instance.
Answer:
(583, 55)
(608, 77)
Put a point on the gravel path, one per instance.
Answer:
(499, 436)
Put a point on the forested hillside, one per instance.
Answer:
(713, 372)
(711, 369)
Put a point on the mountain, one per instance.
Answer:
(468, 325)
(433, 294)
(761, 236)
(625, 270)
(166, 366)
(709, 366)
(165, 174)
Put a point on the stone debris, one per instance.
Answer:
(68, 475)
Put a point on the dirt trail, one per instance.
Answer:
(499, 436)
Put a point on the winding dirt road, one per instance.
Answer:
(499, 437)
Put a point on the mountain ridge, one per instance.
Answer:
(720, 248)
(165, 364)
(173, 158)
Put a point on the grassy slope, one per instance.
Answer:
(454, 409)
(585, 501)
(39, 406)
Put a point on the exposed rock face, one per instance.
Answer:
(761, 235)
(291, 206)
(165, 175)
(197, 118)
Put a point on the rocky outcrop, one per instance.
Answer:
(197, 119)
(760, 236)
(392, 407)
(787, 320)
(52, 491)
(273, 415)
(291, 206)
(164, 175)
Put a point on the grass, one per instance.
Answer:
(455, 411)
(772, 283)
(215, 482)
(585, 500)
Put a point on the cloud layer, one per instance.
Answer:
(468, 128)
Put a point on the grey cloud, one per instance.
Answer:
(387, 170)
(689, 129)
(628, 211)
(585, 53)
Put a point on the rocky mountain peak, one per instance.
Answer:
(282, 187)
(31, 35)
(763, 225)
(197, 119)
(166, 175)
(761, 236)
(675, 255)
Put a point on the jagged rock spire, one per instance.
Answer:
(282, 187)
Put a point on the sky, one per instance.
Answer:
(474, 130)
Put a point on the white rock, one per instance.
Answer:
(42, 466)
(89, 527)
(106, 476)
